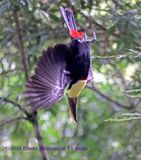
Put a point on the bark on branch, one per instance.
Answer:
(42, 149)
(109, 98)
(32, 117)
(21, 45)
(7, 121)
(4, 99)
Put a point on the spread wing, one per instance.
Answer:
(47, 85)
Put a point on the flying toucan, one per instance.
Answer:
(60, 67)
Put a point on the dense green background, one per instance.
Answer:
(117, 80)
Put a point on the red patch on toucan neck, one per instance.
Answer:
(75, 34)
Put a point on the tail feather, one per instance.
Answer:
(69, 18)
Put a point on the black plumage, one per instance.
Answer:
(47, 85)
(62, 66)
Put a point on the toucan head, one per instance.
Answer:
(82, 36)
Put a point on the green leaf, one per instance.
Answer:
(134, 93)
(125, 117)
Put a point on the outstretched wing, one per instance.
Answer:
(47, 85)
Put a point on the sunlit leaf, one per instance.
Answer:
(135, 93)
(125, 117)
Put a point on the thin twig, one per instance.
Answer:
(123, 81)
(42, 149)
(91, 20)
(6, 72)
(7, 121)
(32, 117)
(21, 46)
(14, 104)
(109, 98)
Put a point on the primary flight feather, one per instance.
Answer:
(62, 66)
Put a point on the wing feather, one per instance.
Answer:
(47, 85)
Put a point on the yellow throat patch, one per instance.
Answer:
(76, 88)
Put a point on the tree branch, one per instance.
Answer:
(109, 98)
(6, 72)
(4, 122)
(14, 104)
(21, 45)
(123, 82)
(32, 117)
(34, 121)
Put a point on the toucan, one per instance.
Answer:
(62, 67)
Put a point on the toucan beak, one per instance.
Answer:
(73, 108)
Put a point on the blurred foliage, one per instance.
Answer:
(104, 111)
